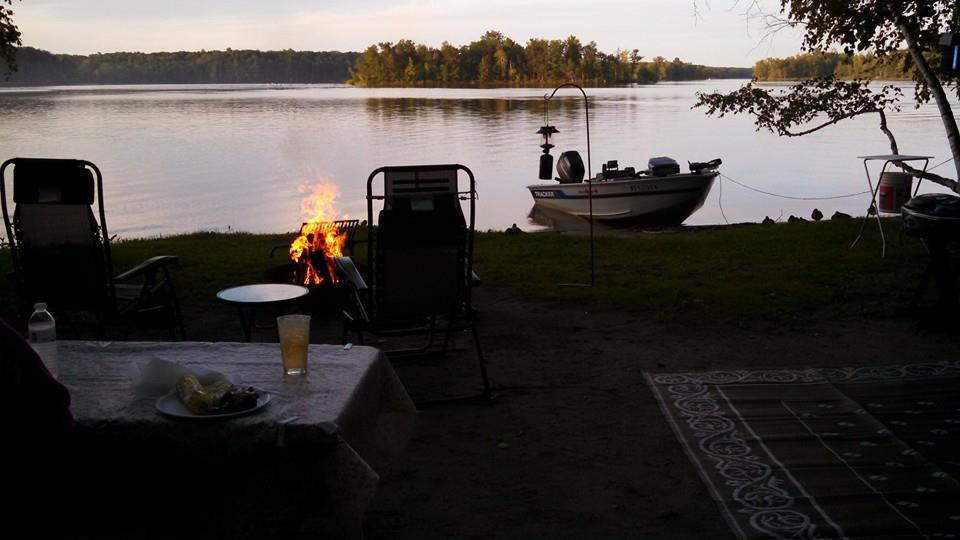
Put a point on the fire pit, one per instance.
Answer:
(311, 256)
(319, 240)
(312, 252)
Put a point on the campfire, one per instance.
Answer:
(321, 238)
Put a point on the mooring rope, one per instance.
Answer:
(720, 200)
(771, 194)
(944, 162)
(741, 184)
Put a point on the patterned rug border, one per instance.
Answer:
(765, 494)
(807, 375)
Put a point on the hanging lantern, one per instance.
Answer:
(546, 160)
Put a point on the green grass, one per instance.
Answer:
(776, 274)
(208, 262)
(757, 273)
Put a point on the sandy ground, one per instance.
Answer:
(575, 446)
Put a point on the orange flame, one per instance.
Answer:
(319, 233)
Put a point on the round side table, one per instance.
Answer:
(247, 298)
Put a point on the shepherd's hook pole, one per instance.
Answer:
(586, 111)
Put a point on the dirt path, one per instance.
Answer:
(575, 445)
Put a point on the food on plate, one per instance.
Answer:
(192, 395)
(218, 398)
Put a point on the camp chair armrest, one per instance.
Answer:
(148, 267)
(358, 290)
(347, 269)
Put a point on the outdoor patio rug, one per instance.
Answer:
(824, 453)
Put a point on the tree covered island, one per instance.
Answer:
(496, 60)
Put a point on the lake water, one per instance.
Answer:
(187, 158)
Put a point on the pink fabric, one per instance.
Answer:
(32, 402)
(38, 432)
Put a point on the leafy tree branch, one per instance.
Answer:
(9, 38)
(782, 111)
(876, 27)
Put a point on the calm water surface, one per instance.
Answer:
(187, 158)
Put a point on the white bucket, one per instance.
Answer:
(894, 190)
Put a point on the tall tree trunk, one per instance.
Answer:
(946, 113)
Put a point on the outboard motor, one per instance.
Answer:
(663, 166)
(570, 167)
(696, 166)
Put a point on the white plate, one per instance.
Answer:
(171, 405)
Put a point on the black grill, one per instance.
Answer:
(932, 215)
(935, 219)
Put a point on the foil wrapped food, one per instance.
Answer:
(220, 397)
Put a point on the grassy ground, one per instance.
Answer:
(208, 263)
(750, 272)
(734, 274)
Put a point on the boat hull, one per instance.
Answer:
(656, 200)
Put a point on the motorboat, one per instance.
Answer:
(658, 196)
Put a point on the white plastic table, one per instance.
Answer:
(247, 298)
(887, 160)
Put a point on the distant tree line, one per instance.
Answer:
(38, 67)
(896, 65)
(495, 60)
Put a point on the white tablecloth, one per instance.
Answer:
(351, 408)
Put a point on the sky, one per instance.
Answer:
(716, 33)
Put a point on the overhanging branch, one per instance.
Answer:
(927, 175)
(836, 120)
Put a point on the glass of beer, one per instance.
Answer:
(294, 332)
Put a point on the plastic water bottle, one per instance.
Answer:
(43, 336)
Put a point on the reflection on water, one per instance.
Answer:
(416, 107)
(185, 158)
(549, 218)
(558, 221)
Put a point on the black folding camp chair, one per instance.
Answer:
(61, 250)
(419, 274)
